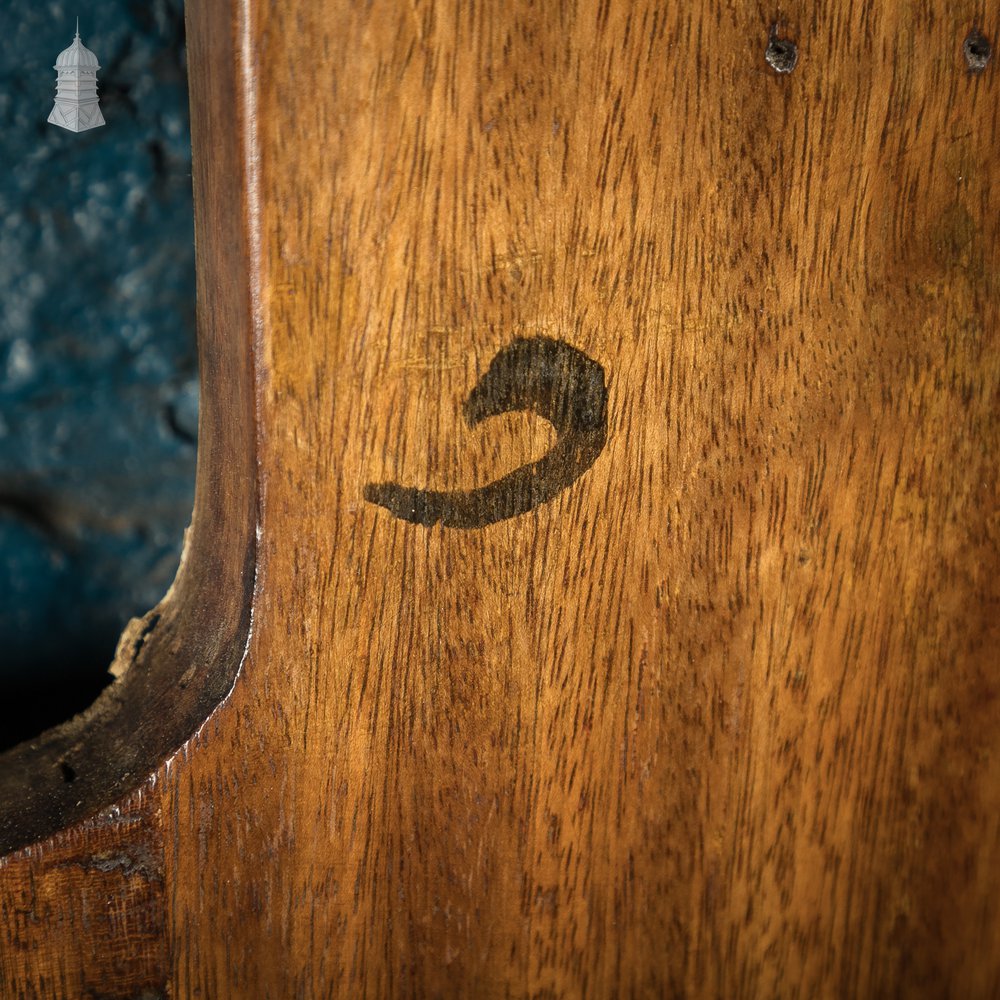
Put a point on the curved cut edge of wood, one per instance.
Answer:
(178, 662)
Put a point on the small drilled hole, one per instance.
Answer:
(781, 54)
(978, 51)
(68, 774)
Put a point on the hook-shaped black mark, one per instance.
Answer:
(548, 377)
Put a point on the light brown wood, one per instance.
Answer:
(718, 719)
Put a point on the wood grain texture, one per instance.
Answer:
(720, 719)
(84, 913)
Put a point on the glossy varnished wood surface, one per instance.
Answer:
(721, 718)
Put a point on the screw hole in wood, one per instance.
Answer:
(977, 50)
(781, 54)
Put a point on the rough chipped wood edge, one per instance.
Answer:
(178, 662)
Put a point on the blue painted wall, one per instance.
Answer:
(98, 372)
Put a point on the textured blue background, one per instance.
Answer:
(98, 377)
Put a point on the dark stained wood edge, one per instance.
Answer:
(177, 663)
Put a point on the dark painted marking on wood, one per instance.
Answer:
(547, 377)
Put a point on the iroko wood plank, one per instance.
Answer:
(717, 716)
